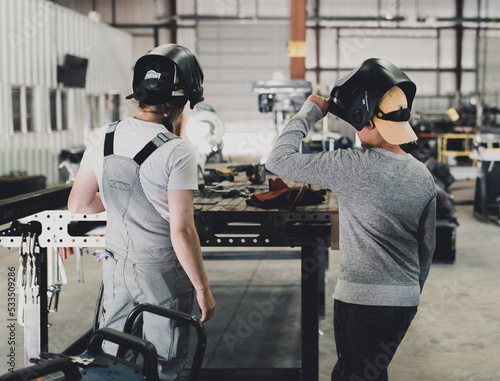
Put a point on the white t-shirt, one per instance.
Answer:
(172, 166)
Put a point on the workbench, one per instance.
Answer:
(231, 223)
(225, 223)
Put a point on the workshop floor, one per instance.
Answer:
(455, 336)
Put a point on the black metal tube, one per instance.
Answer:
(98, 307)
(174, 315)
(310, 314)
(42, 288)
(150, 366)
(156, 35)
(459, 47)
(317, 34)
(113, 12)
(173, 21)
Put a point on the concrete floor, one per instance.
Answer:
(455, 336)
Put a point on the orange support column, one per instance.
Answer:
(297, 44)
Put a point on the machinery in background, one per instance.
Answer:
(471, 132)
(446, 222)
(472, 117)
(474, 112)
(69, 163)
(205, 130)
(283, 98)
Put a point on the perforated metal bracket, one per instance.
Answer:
(60, 228)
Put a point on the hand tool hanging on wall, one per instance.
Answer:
(60, 272)
(21, 281)
(34, 256)
(53, 296)
(54, 289)
(79, 265)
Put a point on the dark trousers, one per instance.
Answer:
(367, 338)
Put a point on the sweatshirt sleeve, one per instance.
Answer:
(427, 240)
(285, 159)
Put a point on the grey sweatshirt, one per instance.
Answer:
(387, 213)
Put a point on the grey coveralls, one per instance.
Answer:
(143, 267)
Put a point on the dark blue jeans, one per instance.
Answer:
(367, 338)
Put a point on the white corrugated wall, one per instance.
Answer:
(233, 56)
(35, 35)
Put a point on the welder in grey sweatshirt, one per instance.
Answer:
(387, 205)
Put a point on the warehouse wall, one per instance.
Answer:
(234, 56)
(35, 35)
(235, 53)
(242, 41)
(129, 12)
(417, 35)
(423, 43)
(491, 82)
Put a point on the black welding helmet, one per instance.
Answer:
(167, 71)
(354, 97)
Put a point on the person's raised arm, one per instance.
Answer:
(187, 247)
(84, 196)
(285, 159)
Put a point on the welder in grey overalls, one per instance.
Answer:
(144, 177)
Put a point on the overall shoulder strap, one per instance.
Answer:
(153, 145)
(109, 138)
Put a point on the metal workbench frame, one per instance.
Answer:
(230, 223)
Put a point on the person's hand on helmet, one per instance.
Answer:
(320, 101)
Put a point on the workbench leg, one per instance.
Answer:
(484, 207)
(322, 267)
(310, 306)
(44, 312)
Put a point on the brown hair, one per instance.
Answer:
(164, 108)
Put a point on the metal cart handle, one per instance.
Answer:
(174, 315)
(147, 349)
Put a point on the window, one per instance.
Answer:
(23, 109)
(58, 110)
(16, 109)
(64, 110)
(53, 109)
(30, 119)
